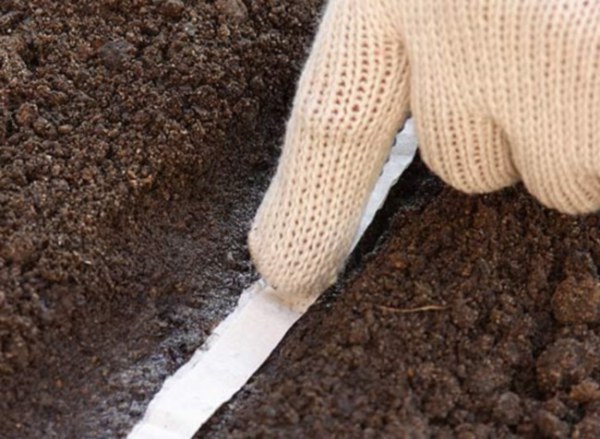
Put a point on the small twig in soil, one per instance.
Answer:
(412, 310)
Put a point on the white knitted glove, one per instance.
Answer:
(501, 90)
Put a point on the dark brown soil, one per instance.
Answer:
(136, 138)
(477, 317)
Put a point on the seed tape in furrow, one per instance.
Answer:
(246, 338)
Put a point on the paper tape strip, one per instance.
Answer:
(245, 339)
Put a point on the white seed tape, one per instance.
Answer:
(401, 155)
(235, 350)
(246, 338)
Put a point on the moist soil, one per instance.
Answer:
(136, 138)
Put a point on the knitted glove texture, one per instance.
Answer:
(500, 90)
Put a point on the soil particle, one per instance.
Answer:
(464, 316)
(233, 9)
(577, 300)
(173, 8)
(44, 128)
(589, 427)
(564, 363)
(586, 391)
(439, 387)
(116, 54)
(488, 377)
(13, 67)
(551, 426)
(508, 408)
(26, 114)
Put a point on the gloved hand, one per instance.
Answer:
(501, 91)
